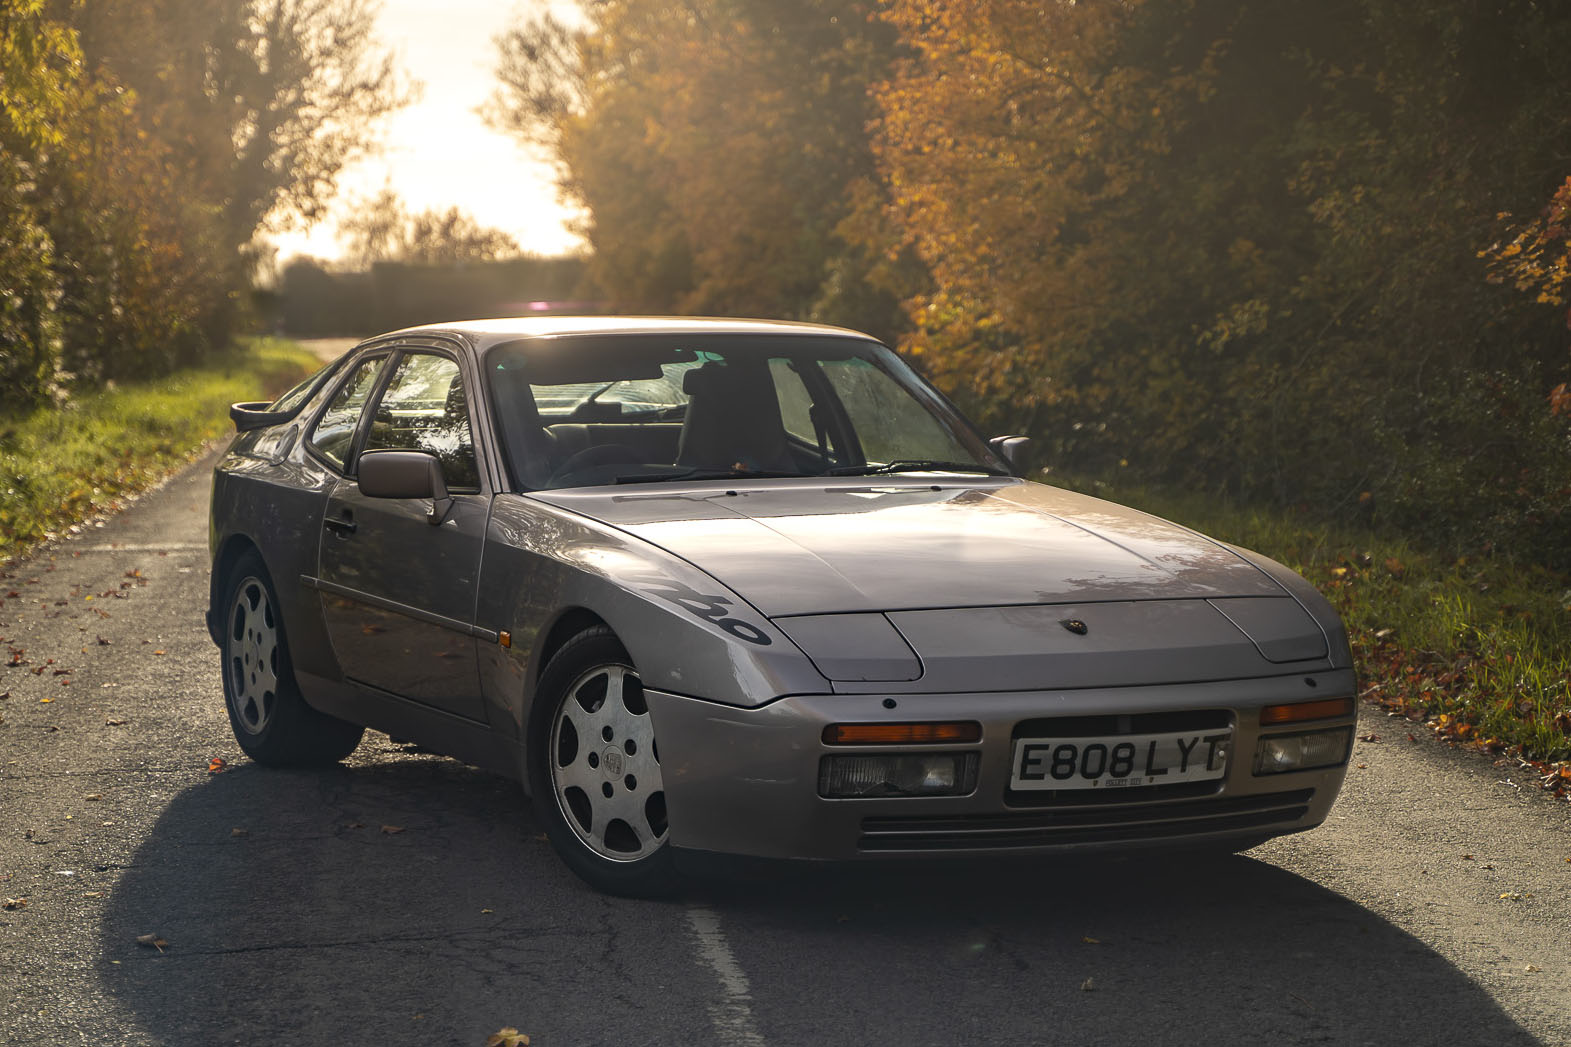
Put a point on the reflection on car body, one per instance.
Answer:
(751, 588)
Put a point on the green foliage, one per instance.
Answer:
(60, 466)
(142, 147)
(37, 74)
(1480, 646)
(320, 302)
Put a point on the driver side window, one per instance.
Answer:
(426, 408)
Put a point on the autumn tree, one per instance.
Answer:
(1535, 258)
(37, 78)
(383, 229)
(716, 146)
(1232, 246)
(186, 127)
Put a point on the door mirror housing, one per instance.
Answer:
(1011, 448)
(405, 474)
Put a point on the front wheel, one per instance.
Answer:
(271, 721)
(595, 770)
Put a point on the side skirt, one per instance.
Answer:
(439, 731)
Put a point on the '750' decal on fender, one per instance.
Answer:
(714, 609)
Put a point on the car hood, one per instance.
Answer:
(838, 546)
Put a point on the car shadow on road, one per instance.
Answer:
(411, 899)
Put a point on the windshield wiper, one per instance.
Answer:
(915, 465)
(699, 474)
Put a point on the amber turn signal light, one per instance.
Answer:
(901, 733)
(1299, 712)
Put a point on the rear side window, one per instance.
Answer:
(426, 408)
(296, 397)
(335, 430)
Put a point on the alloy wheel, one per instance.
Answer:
(605, 768)
(252, 656)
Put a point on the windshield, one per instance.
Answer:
(641, 409)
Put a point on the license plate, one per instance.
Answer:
(1119, 762)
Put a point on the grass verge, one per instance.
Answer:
(1477, 648)
(59, 466)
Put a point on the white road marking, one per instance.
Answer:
(733, 1015)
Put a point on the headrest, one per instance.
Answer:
(701, 381)
(457, 403)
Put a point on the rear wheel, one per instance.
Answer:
(595, 770)
(271, 721)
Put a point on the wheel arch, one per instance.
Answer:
(233, 549)
(569, 623)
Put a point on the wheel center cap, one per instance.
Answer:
(611, 760)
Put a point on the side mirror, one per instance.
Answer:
(405, 474)
(1011, 449)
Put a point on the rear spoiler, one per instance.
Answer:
(255, 415)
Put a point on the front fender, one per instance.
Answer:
(686, 632)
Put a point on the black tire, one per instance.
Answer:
(271, 721)
(603, 805)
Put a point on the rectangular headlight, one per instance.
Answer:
(1302, 752)
(897, 774)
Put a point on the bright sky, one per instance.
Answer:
(439, 153)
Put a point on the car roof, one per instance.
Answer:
(485, 333)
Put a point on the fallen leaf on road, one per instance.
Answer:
(14, 903)
(1369, 737)
(1467, 857)
(1088, 940)
(93, 796)
(1532, 969)
(391, 829)
(1362, 766)
(216, 765)
(508, 1037)
(45, 701)
(1511, 896)
(1087, 986)
(158, 652)
(239, 832)
(486, 912)
(114, 723)
(152, 941)
(361, 825)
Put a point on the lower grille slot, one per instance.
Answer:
(1042, 828)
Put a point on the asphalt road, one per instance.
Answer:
(409, 899)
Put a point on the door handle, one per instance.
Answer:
(343, 528)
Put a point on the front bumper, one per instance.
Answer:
(745, 781)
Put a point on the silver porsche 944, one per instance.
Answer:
(750, 588)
